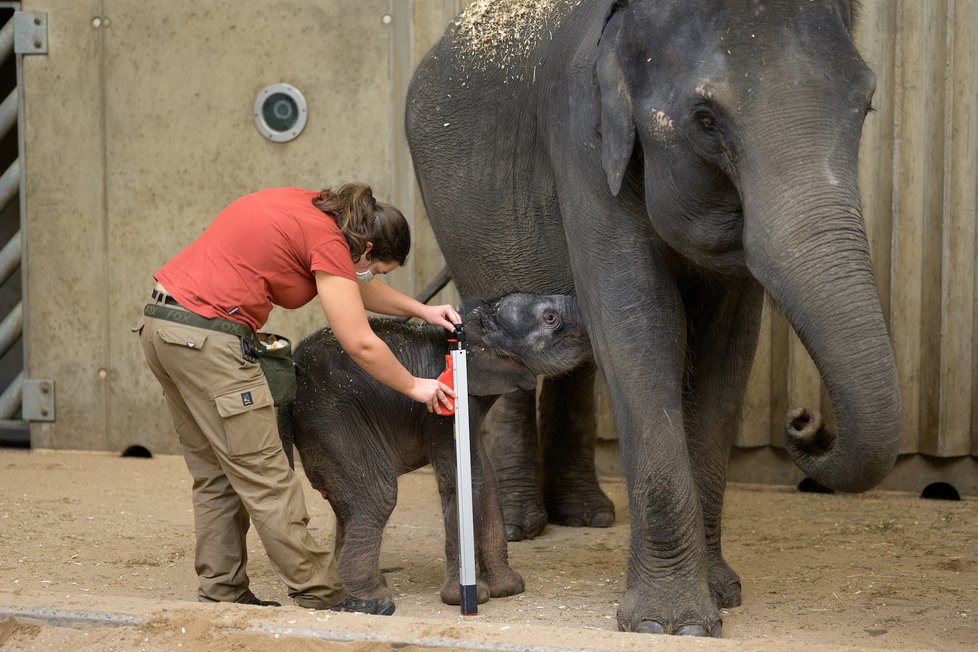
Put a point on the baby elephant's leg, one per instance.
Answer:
(443, 463)
(491, 546)
(361, 516)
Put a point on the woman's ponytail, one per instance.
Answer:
(362, 219)
(352, 206)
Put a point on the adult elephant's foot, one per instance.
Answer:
(568, 429)
(579, 502)
(666, 610)
(524, 516)
(510, 429)
(451, 592)
(724, 584)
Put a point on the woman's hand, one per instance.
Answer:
(443, 315)
(431, 392)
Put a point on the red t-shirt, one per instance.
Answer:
(261, 249)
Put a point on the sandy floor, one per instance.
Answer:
(83, 532)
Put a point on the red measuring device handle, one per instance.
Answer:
(456, 340)
(447, 377)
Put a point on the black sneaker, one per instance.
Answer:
(376, 606)
(251, 598)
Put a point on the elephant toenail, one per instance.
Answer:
(692, 630)
(602, 519)
(650, 627)
(733, 598)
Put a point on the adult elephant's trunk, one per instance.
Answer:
(810, 252)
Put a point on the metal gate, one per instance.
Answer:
(22, 33)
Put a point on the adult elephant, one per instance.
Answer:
(670, 161)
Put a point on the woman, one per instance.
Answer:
(280, 246)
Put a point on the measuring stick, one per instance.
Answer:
(463, 477)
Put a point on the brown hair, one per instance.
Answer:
(362, 219)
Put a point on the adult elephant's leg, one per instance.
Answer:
(643, 358)
(567, 428)
(667, 588)
(636, 321)
(723, 321)
(511, 429)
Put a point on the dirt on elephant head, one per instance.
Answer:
(504, 32)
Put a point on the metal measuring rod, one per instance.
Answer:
(456, 377)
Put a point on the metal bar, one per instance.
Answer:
(10, 258)
(12, 432)
(9, 184)
(7, 40)
(15, 434)
(437, 284)
(12, 397)
(8, 113)
(11, 328)
(463, 481)
(22, 246)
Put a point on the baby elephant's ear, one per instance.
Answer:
(492, 376)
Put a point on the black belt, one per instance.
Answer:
(165, 298)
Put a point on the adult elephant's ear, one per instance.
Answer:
(617, 126)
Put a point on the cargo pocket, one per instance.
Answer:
(191, 338)
(249, 420)
(138, 326)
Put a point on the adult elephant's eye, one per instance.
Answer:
(707, 120)
(551, 318)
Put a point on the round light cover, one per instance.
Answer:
(280, 112)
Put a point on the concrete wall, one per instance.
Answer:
(139, 130)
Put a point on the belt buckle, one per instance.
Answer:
(163, 298)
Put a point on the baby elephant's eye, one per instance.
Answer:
(551, 318)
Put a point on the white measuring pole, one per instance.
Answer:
(463, 483)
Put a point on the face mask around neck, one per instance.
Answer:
(365, 277)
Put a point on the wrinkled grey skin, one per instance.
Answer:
(668, 161)
(355, 436)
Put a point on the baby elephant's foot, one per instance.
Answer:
(451, 592)
(504, 582)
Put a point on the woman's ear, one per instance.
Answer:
(367, 247)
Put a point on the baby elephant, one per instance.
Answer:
(355, 436)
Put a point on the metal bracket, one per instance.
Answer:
(30, 32)
(38, 400)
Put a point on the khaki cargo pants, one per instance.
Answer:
(223, 414)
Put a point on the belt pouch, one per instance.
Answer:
(278, 367)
